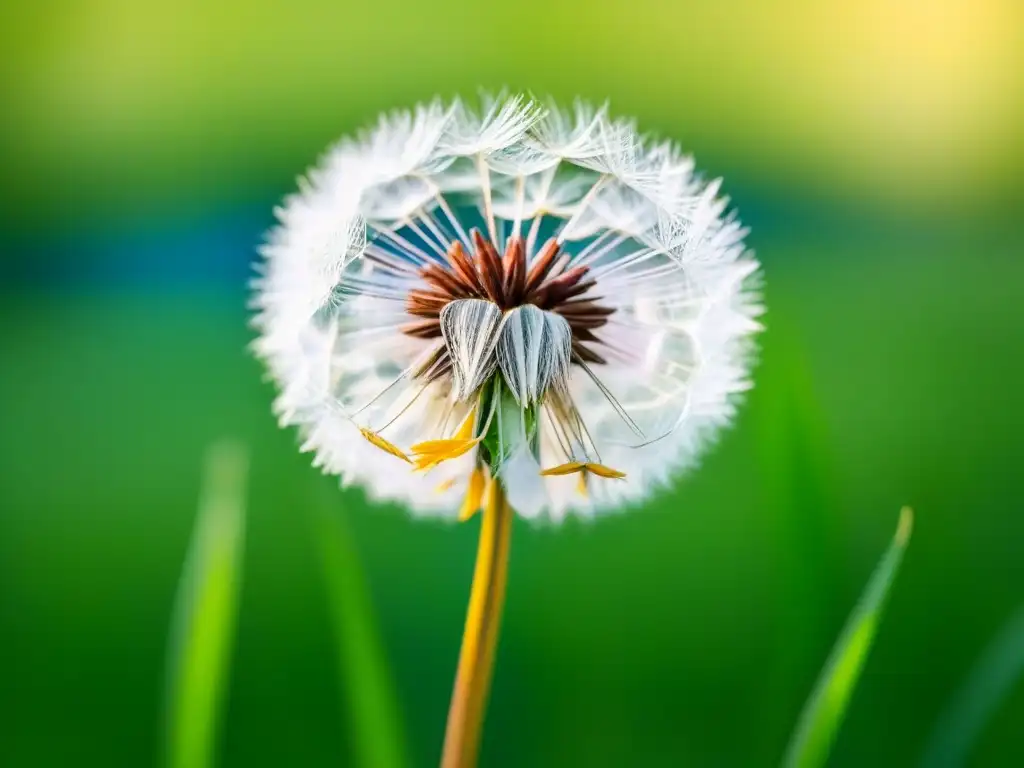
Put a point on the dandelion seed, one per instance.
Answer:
(538, 310)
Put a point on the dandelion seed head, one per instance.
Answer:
(541, 296)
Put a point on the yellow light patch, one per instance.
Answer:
(384, 445)
(474, 495)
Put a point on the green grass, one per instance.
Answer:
(824, 710)
(362, 667)
(204, 619)
(998, 669)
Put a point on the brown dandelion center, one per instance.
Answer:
(549, 284)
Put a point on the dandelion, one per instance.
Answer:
(513, 307)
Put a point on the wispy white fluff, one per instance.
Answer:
(665, 250)
(499, 125)
(574, 135)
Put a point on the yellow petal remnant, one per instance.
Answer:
(384, 445)
(602, 471)
(584, 467)
(466, 430)
(432, 452)
(474, 495)
(564, 469)
(581, 485)
(447, 485)
(430, 447)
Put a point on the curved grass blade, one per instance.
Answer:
(362, 667)
(204, 615)
(1000, 666)
(824, 710)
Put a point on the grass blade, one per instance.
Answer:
(362, 667)
(1000, 666)
(800, 503)
(824, 710)
(204, 615)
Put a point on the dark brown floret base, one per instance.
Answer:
(549, 284)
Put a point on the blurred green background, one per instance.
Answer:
(875, 148)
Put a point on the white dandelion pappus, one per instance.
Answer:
(517, 292)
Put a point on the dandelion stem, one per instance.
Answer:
(480, 637)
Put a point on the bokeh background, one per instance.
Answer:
(874, 147)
